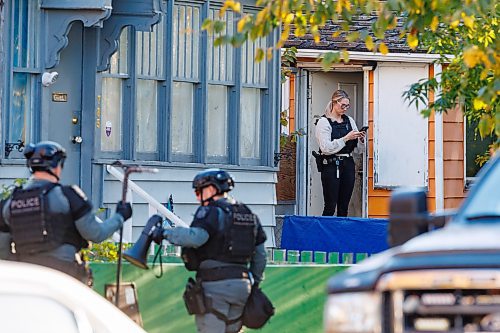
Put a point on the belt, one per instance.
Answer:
(222, 273)
(331, 159)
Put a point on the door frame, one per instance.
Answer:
(303, 105)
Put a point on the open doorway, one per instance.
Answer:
(321, 86)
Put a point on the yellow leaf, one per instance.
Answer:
(412, 41)
(455, 23)
(484, 74)
(469, 21)
(336, 34)
(285, 34)
(383, 48)
(472, 56)
(259, 55)
(241, 23)
(434, 23)
(289, 18)
(261, 16)
(269, 53)
(479, 104)
(345, 56)
(369, 42)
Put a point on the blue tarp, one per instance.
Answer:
(334, 234)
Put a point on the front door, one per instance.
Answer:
(322, 86)
(65, 106)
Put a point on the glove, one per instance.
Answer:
(157, 235)
(124, 209)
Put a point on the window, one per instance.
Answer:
(181, 129)
(250, 131)
(171, 95)
(20, 118)
(220, 80)
(475, 147)
(217, 117)
(186, 75)
(254, 81)
(112, 98)
(149, 68)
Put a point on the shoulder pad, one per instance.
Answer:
(79, 191)
(202, 212)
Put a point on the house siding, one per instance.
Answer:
(256, 189)
(453, 158)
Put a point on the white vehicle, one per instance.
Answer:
(433, 279)
(42, 300)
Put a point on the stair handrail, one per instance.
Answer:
(147, 197)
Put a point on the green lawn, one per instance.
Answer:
(297, 292)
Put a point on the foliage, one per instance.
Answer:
(6, 190)
(292, 136)
(288, 60)
(462, 32)
(102, 252)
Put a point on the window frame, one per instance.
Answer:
(165, 89)
(32, 69)
(126, 84)
(198, 92)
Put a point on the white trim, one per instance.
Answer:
(146, 196)
(301, 116)
(356, 55)
(366, 154)
(438, 147)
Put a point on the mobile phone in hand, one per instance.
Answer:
(364, 129)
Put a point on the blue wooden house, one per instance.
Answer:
(140, 82)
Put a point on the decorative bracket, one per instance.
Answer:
(137, 13)
(59, 15)
(281, 156)
(10, 146)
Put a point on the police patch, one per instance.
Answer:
(79, 191)
(202, 212)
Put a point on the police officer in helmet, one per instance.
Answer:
(225, 246)
(47, 223)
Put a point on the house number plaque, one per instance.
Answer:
(59, 97)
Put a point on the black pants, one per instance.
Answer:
(337, 191)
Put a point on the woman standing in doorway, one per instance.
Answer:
(337, 136)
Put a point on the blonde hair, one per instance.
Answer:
(336, 96)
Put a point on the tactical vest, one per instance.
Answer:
(34, 228)
(235, 239)
(339, 130)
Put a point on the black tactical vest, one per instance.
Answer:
(235, 240)
(340, 130)
(34, 228)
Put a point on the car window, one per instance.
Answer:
(484, 205)
(27, 313)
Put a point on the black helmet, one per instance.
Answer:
(221, 179)
(44, 156)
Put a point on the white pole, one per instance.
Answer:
(438, 147)
(143, 194)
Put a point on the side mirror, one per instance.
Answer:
(408, 215)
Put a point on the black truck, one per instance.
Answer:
(441, 274)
